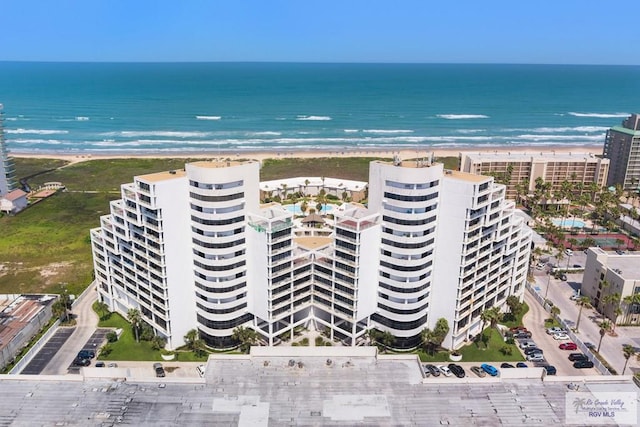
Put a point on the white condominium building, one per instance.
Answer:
(7, 168)
(195, 249)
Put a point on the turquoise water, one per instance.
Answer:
(568, 223)
(296, 209)
(236, 107)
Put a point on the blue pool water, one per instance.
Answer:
(296, 209)
(568, 223)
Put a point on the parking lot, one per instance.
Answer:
(46, 353)
(93, 343)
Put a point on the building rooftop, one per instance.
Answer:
(212, 164)
(625, 130)
(520, 156)
(313, 181)
(266, 389)
(626, 265)
(313, 242)
(18, 312)
(466, 176)
(162, 176)
(14, 195)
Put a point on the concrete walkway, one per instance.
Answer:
(86, 324)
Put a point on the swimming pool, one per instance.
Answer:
(569, 223)
(296, 209)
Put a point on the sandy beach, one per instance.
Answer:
(262, 155)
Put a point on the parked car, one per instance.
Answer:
(478, 371)
(556, 330)
(568, 252)
(532, 350)
(527, 344)
(568, 346)
(551, 370)
(522, 335)
(574, 297)
(540, 266)
(79, 361)
(433, 369)
(517, 329)
(583, 364)
(445, 371)
(619, 251)
(577, 356)
(201, 370)
(457, 370)
(427, 372)
(561, 337)
(521, 365)
(490, 369)
(112, 365)
(99, 365)
(86, 354)
(535, 357)
(506, 365)
(159, 370)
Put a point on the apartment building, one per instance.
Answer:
(608, 273)
(517, 169)
(194, 248)
(8, 181)
(622, 149)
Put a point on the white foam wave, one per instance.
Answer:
(314, 118)
(581, 129)
(351, 130)
(599, 115)
(161, 133)
(208, 117)
(461, 116)
(265, 133)
(38, 141)
(82, 118)
(21, 131)
(470, 130)
(387, 131)
(536, 137)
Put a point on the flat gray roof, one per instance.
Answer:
(275, 389)
(628, 264)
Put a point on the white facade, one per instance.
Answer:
(195, 249)
(7, 168)
(607, 273)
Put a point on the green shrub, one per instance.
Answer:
(112, 337)
(319, 341)
(304, 341)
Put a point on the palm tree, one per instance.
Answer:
(555, 311)
(135, 318)
(627, 351)
(582, 301)
(306, 184)
(387, 339)
(102, 309)
(605, 325)
(428, 339)
(246, 337)
(493, 316)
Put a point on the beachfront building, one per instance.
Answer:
(341, 189)
(520, 170)
(7, 169)
(617, 274)
(194, 248)
(622, 148)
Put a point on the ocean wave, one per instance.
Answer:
(387, 131)
(265, 133)
(461, 116)
(82, 118)
(208, 117)
(599, 115)
(582, 129)
(162, 133)
(39, 141)
(313, 118)
(21, 131)
(470, 130)
(536, 137)
(351, 130)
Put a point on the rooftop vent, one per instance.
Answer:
(172, 172)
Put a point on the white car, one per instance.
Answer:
(556, 330)
(445, 371)
(527, 344)
(535, 357)
(568, 252)
(561, 336)
(540, 266)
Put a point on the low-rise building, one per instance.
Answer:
(610, 273)
(13, 202)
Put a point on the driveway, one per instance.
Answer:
(86, 323)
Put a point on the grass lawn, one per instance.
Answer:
(477, 352)
(126, 348)
(518, 320)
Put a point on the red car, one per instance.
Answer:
(568, 346)
(517, 329)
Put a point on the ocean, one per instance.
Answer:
(164, 108)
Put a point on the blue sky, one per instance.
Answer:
(504, 31)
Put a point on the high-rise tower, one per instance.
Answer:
(622, 148)
(7, 168)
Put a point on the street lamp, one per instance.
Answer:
(548, 283)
